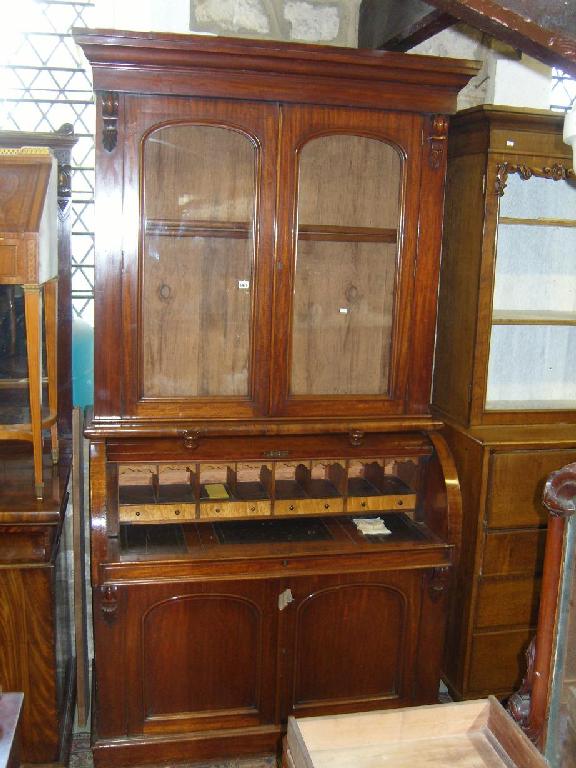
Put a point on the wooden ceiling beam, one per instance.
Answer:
(544, 29)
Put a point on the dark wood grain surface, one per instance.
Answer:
(34, 619)
(209, 633)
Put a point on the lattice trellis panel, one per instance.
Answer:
(563, 91)
(44, 84)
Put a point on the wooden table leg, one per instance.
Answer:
(33, 320)
(51, 325)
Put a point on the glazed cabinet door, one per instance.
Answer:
(348, 213)
(349, 642)
(198, 215)
(531, 352)
(185, 657)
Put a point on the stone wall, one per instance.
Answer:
(332, 22)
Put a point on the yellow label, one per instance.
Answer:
(216, 491)
(20, 151)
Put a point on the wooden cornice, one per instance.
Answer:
(212, 66)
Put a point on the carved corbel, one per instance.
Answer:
(519, 703)
(64, 189)
(438, 140)
(501, 178)
(437, 582)
(110, 102)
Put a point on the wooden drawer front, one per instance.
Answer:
(380, 503)
(516, 483)
(8, 257)
(214, 510)
(512, 552)
(508, 602)
(156, 513)
(497, 662)
(333, 506)
(545, 143)
(12, 261)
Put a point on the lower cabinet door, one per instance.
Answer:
(187, 657)
(178, 658)
(350, 642)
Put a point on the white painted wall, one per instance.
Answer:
(524, 83)
(143, 15)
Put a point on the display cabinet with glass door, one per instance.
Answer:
(504, 372)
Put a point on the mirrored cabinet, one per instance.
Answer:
(274, 514)
(504, 372)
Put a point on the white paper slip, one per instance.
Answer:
(371, 526)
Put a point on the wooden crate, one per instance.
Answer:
(469, 734)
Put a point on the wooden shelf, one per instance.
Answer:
(347, 234)
(532, 317)
(199, 228)
(537, 222)
(530, 405)
(243, 229)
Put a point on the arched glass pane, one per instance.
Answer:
(198, 261)
(346, 264)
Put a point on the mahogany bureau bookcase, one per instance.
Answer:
(505, 375)
(268, 222)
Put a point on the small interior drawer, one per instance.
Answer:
(156, 513)
(380, 503)
(12, 261)
(327, 506)
(214, 510)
